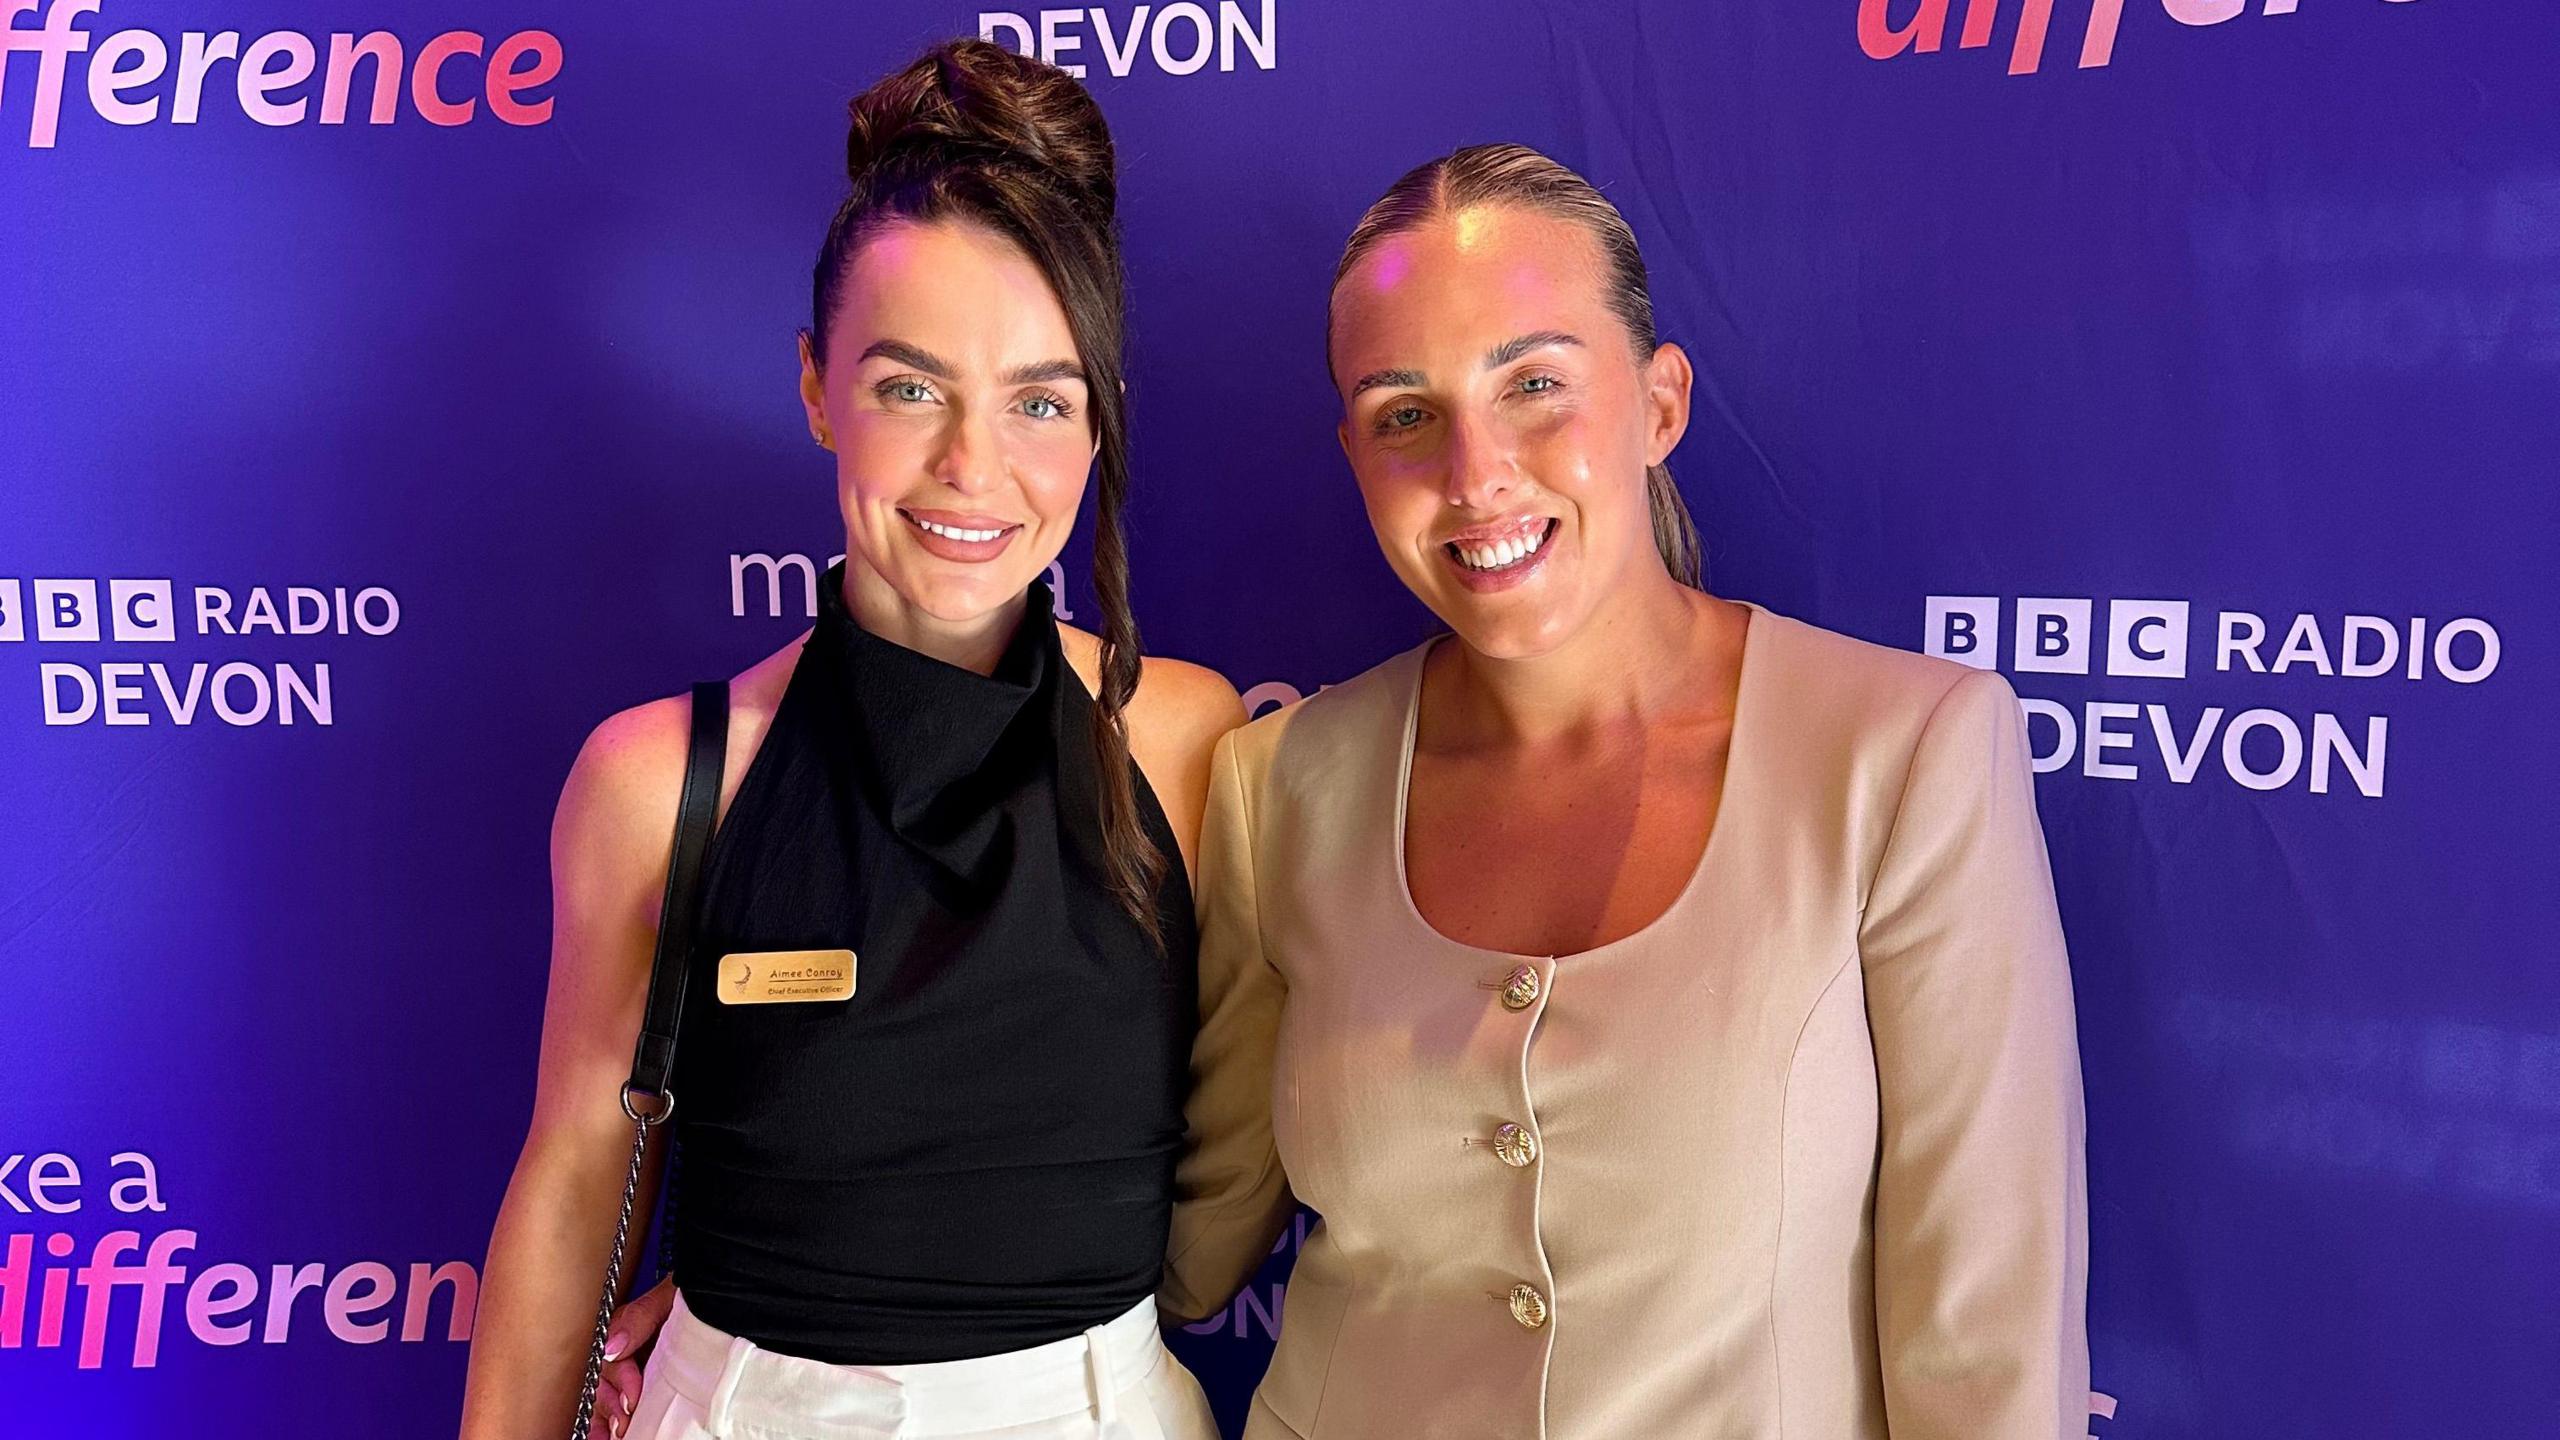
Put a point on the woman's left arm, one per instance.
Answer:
(1981, 1209)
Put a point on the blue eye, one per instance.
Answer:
(1400, 417)
(910, 392)
(1043, 407)
(1537, 384)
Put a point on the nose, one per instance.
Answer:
(1483, 469)
(972, 458)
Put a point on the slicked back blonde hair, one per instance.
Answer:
(1518, 175)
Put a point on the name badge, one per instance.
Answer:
(781, 977)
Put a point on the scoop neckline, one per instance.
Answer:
(1417, 660)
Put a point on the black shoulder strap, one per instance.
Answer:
(681, 911)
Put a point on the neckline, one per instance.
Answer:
(1753, 634)
(936, 743)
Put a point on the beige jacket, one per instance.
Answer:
(1802, 1158)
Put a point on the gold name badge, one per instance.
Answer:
(777, 977)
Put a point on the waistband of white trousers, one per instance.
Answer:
(729, 1376)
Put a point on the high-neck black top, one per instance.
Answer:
(975, 1152)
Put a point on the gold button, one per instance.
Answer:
(1528, 1307)
(1514, 1146)
(1520, 990)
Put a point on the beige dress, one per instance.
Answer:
(1801, 1158)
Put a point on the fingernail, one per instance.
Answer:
(627, 1403)
(613, 1345)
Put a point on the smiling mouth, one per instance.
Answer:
(1504, 553)
(963, 534)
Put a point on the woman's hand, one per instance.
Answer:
(634, 1325)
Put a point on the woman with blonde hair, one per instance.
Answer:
(1661, 1000)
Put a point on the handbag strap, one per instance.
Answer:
(681, 910)
(645, 1096)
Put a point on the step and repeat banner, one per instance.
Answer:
(391, 390)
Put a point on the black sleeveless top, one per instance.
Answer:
(975, 1152)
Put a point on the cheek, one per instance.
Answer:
(878, 456)
(1583, 457)
(1405, 514)
(1052, 469)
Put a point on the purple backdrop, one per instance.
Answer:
(2180, 357)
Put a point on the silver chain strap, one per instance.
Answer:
(612, 1274)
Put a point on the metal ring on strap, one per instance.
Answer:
(666, 1105)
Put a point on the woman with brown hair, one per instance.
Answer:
(929, 1196)
(1662, 1000)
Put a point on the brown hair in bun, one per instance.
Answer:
(974, 132)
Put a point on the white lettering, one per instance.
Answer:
(1202, 28)
(314, 696)
(377, 610)
(120, 682)
(184, 712)
(52, 674)
(2066, 733)
(2357, 628)
(2103, 739)
(2488, 661)
(148, 1180)
(2183, 760)
(2329, 740)
(2236, 762)
(1121, 51)
(2242, 634)
(1054, 44)
(1263, 46)
(222, 702)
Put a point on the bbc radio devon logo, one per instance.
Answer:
(2324, 751)
(284, 77)
(223, 690)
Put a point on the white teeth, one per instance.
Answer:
(954, 532)
(1501, 554)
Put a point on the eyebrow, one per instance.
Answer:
(1494, 359)
(1044, 370)
(1512, 349)
(906, 354)
(1380, 379)
(941, 369)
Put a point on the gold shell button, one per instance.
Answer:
(1528, 1307)
(1520, 989)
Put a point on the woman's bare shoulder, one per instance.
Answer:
(1179, 707)
(617, 810)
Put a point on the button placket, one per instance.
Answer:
(1524, 991)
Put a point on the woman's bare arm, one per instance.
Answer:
(610, 841)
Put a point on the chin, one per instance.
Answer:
(960, 600)
(1510, 641)
(1505, 628)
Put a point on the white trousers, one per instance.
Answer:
(1114, 1382)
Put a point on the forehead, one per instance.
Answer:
(956, 288)
(1463, 281)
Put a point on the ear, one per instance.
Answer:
(1342, 435)
(813, 393)
(1667, 378)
